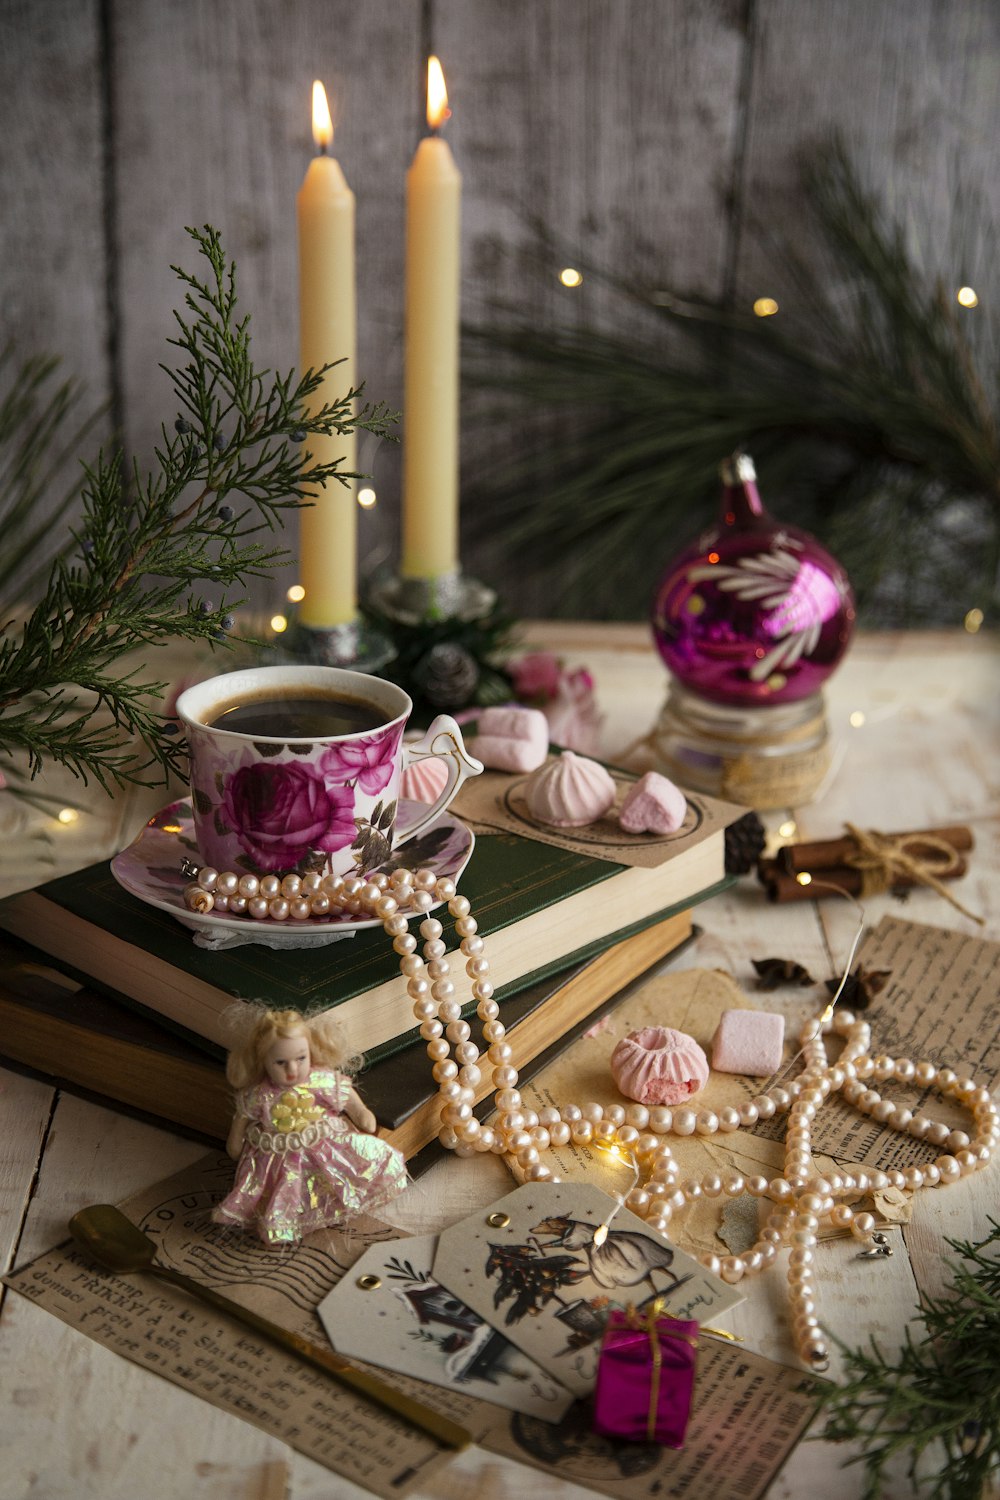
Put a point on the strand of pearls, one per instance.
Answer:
(280, 897)
(802, 1199)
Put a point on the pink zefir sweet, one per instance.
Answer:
(424, 780)
(653, 805)
(658, 1065)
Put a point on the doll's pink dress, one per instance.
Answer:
(305, 1165)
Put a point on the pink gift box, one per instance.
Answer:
(645, 1378)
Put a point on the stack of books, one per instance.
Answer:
(110, 995)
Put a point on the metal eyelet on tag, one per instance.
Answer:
(369, 1282)
(498, 1220)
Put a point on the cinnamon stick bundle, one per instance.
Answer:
(829, 854)
(782, 886)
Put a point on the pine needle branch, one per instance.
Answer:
(162, 556)
(936, 1404)
(871, 401)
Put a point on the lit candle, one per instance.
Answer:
(328, 527)
(430, 395)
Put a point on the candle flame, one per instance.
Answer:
(322, 123)
(437, 95)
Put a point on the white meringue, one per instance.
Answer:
(569, 791)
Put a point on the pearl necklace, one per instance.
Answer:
(802, 1199)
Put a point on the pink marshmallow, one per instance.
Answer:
(653, 805)
(511, 739)
(748, 1041)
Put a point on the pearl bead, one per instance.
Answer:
(559, 1133)
(660, 1120)
(764, 1106)
(637, 1115)
(685, 1121)
(732, 1269)
(748, 1114)
(732, 1184)
(581, 1132)
(711, 1186)
(706, 1122)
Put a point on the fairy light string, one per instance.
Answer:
(801, 1200)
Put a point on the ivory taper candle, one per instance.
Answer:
(327, 332)
(430, 394)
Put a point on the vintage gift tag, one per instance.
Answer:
(390, 1311)
(530, 1266)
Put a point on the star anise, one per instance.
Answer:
(861, 988)
(774, 972)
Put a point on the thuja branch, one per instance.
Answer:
(165, 555)
(936, 1404)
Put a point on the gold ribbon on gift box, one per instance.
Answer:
(648, 1324)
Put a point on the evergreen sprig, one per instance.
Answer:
(870, 405)
(161, 556)
(937, 1402)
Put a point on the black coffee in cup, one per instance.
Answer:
(296, 715)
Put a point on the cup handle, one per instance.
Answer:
(442, 741)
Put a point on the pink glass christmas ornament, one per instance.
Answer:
(754, 612)
(658, 1065)
(653, 805)
(569, 791)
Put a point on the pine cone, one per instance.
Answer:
(447, 676)
(745, 840)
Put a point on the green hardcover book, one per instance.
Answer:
(84, 1040)
(538, 907)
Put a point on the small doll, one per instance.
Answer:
(308, 1155)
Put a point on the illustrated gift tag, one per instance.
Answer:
(530, 1265)
(390, 1311)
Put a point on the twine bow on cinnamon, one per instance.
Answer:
(882, 858)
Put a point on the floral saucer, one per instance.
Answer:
(150, 869)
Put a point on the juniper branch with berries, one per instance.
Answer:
(162, 556)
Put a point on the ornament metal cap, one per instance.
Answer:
(738, 468)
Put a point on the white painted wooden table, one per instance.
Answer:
(77, 1421)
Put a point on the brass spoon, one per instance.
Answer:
(116, 1243)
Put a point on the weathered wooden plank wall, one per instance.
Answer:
(659, 136)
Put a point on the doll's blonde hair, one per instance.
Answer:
(256, 1028)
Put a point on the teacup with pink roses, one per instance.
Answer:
(281, 803)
